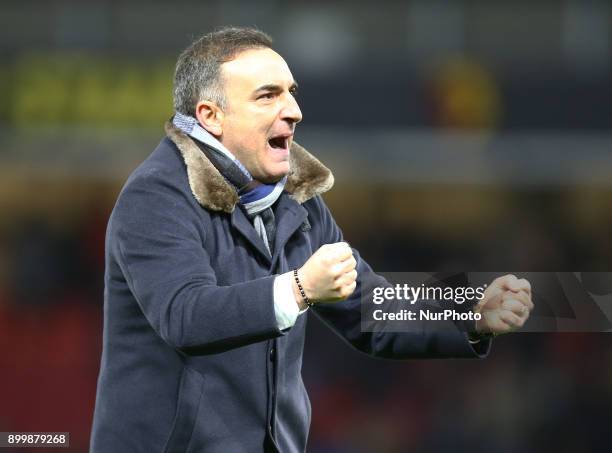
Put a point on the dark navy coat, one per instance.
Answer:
(193, 360)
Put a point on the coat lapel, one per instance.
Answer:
(244, 226)
(290, 215)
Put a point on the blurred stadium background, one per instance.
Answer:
(464, 135)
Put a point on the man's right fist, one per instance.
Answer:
(329, 275)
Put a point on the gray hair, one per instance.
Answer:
(198, 69)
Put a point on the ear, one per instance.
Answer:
(210, 117)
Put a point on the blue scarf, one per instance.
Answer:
(257, 198)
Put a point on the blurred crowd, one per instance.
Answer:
(520, 184)
(534, 392)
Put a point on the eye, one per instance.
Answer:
(294, 92)
(266, 96)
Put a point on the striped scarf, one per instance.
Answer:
(256, 198)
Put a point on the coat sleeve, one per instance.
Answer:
(426, 339)
(154, 237)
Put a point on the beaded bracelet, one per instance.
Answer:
(302, 292)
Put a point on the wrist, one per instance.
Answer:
(299, 292)
(297, 295)
(477, 336)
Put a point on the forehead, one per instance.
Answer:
(254, 68)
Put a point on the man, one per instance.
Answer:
(217, 247)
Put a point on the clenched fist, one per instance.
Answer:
(505, 306)
(329, 275)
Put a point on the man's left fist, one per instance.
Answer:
(505, 305)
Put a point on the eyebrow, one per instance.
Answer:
(274, 87)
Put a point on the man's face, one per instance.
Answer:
(261, 114)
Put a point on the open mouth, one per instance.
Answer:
(280, 143)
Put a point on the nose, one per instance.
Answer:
(291, 110)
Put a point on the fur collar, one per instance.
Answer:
(308, 177)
